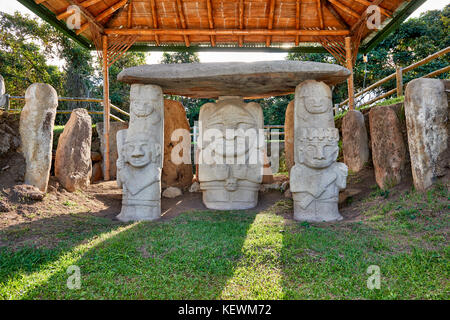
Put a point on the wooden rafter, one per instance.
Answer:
(336, 15)
(89, 17)
(335, 46)
(118, 46)
(211, 21)
(344, 8)
(183, 22)
(270, 23)
(227, 32)
(103, 15)
(39, 1)
(363, 18)
(384, 11)
(130, 15)
(320, 13)
(89, 3)
(155, 19)
(241, 21)
(297, 21)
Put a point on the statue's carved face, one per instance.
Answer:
(318, 154)
(139, 153)
(238, 132)
(317, 104)
(142, 108)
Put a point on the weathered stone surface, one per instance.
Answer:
(354, 140)
(97, 172)
(230, 166)
(172, 192)
(388, 147)
(426, 110)
(36, 132)
(140, 155)
(2, 91)
(195, 187)
(177, 167)
(316, 177)
(114, 127)
(9, 137)
(289, 135)
(73, 165)
(255, 79)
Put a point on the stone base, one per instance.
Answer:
(235, 200)
(139, 213)
(317, 212)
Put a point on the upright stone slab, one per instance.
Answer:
(388, 147)
(114, 127)
(140, 155)
(316, 177)
(426, 110)
(231, 153)
(289, 135)
(73, 165)
(177, 167)
(2, 91)
(37, 120)
(354, 140)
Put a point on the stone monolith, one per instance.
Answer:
(231, 145)
(114, 127)
(355, 143)
(426, 110)
(316, 177)
(37, 120)
(139, 164)
(388, 146)
(73, 165)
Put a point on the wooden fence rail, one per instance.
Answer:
(9, 98)
(398, 75)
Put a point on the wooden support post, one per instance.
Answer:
(349, 65)
(106, 110)
(399, 77)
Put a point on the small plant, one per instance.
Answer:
(69, 203)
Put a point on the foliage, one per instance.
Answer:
(180, 57)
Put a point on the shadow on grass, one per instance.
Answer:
(189, 257)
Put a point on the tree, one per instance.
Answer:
(180, 57)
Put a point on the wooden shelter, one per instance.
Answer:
(112, 27)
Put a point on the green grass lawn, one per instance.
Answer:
(239, 255)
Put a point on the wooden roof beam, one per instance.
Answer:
(89, 3)
(130, 15)
(227, 32)
(320, 13)
(89, 17)
(363, 18)
(384, 11)
(104, 14)
(270, 23)
(39, 1)
(297, 21)
(241, 21)
(183, 21)
(346, 9)
(336, 15)
(155, 20)
(211, 21)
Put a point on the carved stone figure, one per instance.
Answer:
(316, 178)
(36, 133)
(231, 153)
(139, 174)
(140, 158)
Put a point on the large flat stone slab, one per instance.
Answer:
(250, 80)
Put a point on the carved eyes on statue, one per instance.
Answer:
(317, 101)
(244, 126)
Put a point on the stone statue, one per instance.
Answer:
(231, 153)
(37, 120)
(139, 174)
(140, 158)
(316, 178)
